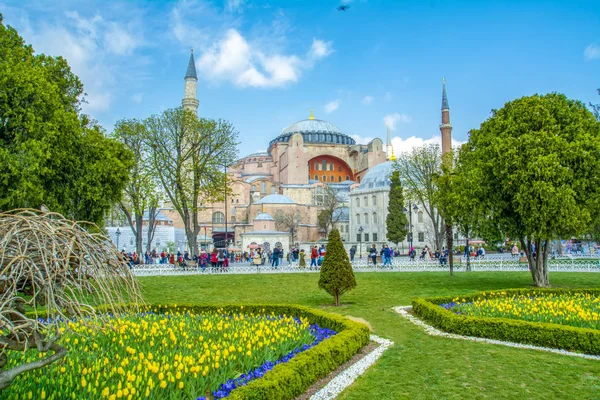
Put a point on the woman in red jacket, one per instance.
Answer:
(214, 258)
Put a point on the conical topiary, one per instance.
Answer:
(337, 276)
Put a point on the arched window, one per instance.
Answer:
(420, 217)
(316, 166)
(357, 202)
(263, 188)
(374, 200)
(273, 189)
(358, 218)
(366, 201)
(347, 178)
(316, 177)
(374, 218)
(331, 166)
(324, 165)
(332, 178)
(324, 178)
(339, 178)
(366, 218)
(218, 217)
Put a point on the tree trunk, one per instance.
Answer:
(337, 299)
(152, 211)
(450, 246)
(538, 266)
(139, 227)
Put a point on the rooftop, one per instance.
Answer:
(275, 199)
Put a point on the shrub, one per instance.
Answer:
(337, 276)
(570, 338)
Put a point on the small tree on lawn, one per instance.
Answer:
(337, 276)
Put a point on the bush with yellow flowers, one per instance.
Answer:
(555, 318)
(161, 354)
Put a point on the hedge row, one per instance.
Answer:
(584, 340)
(291, 379)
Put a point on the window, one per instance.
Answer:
(420, 217)
(324, 178)
(324, 165)
(339, 168)
(374, 218)
(316, 177)
(253, 188)
(319, 196)
(366, 237)
(263, 188)
(366, 201)
(347, 178)
(374, 237)
(316, 166)
(421, 237)
(273, 189)
(358, 237)
(374, 200)
(366, 218)
(357, 202)
(339, 178)
(332, 178)
(331, 166)
(358, 218)
(218, 217)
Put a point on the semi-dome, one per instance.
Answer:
(314, 131)
(263, 217)
(275, 199)
(378, 177)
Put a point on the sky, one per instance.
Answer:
(264, 65)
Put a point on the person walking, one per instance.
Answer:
(275, 258)
(302, 256)
(387, 256)
(314, 255)
(373, 254)
(352, 253)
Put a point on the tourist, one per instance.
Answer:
(214, 258)
(387, 256)
(373, 254)
(220, 259)
(275, 258)
(514, 252)
(280, 255)
(352, 253)
(302, 257)
(314, 254)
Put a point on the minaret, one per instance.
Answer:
(446, 126)
(389, 150)
(190, 101)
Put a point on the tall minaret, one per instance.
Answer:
(389, 151)
(446, 126)
(190, 101)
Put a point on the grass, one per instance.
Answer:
(418, 366)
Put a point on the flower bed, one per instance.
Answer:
(575, 309)
(184, 352)
(531, 316)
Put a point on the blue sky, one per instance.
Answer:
(264, 65)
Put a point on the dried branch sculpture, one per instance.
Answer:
(52, 270)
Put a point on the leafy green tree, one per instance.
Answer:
(189, 156)
(141, 194)
(596, 109)
(396, 221)
(50, 154)
(337, 276)
(533, 168)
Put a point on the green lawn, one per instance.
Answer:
(418, 366)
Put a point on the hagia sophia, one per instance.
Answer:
(291, 178)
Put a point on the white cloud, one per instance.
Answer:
(592, 51)
(332, 106)
(362, 139)
(391, 120)
(120, 42)
(233, 58)
(320, 48)
(367, 100)
(235, 5)
(402, 145)
(138, 98)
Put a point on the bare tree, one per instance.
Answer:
(51, 270)
(189, 156)
(288, 222)
(419, 170)
(330, 214)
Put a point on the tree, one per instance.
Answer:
(337, 276)
(533, 168)
(54, 270)
(328, 217)
(418, 171)
(396, 221)
(596, 109)
(141, 194)
(189, 155)
(50, 154)
(288, 222)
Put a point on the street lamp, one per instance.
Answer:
(411, 207)
(360, 231)
(118, 233)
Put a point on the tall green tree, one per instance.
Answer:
(337, 276)
(596, 108)
(189, 156)
(396, 221)
(534, 169)
(141, 194)
(51, 154)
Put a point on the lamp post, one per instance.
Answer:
(411, 207)
(118, 233)
(360, 231)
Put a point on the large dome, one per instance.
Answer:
(378, 176)
(314, 131)
(275, 199)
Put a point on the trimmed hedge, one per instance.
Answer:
(584, 340)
